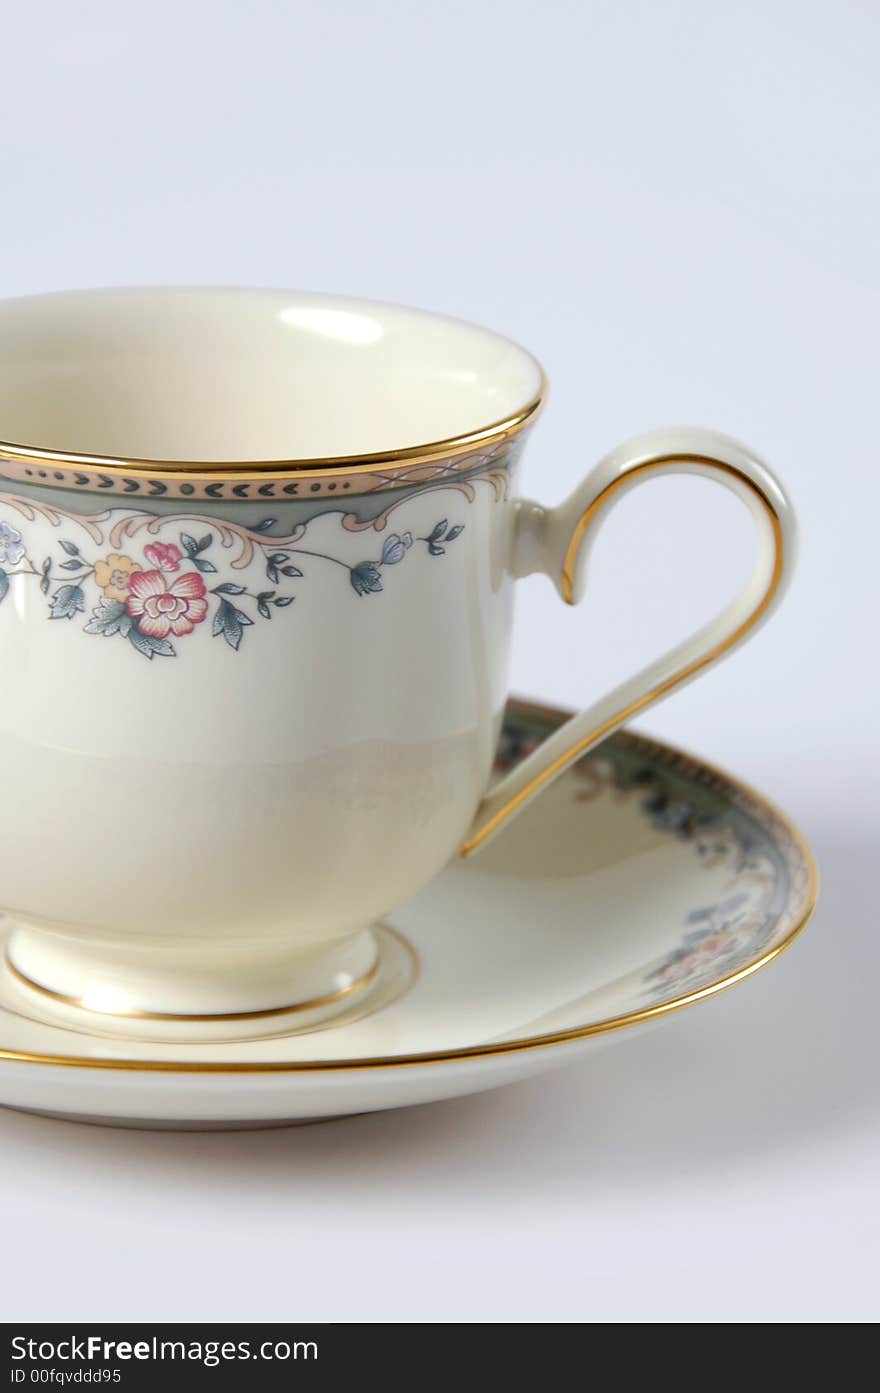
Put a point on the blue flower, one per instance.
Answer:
(365, 578)
(395, 548)
(670, 816)
(11, 546)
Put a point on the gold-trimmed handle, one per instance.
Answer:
(558, 541)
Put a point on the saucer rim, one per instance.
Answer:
(508, 1047)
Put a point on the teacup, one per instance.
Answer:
(257, 561)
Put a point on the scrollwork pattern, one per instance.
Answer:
(153, 580)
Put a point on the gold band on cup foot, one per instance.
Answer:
(213, 1017)
(390, 976)
(90, 1016)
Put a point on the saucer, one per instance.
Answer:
(642, 881)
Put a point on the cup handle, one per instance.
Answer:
(557, 541)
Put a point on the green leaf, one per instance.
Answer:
(149, 646)
(4, 583)
(282, 601)
(365, 578)
(230, 622)
(189, 544)
(70, 548)
(201, 565)
(67, 601)
(227, 589)
(108, 618)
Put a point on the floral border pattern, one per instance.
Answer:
(166, 590)
(727, 830)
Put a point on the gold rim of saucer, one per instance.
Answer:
(806, 904)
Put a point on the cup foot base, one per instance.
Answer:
(150, 992)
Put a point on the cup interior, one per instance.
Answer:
(225, 375)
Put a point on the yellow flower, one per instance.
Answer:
(114, 575)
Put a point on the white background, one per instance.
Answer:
(675, 205)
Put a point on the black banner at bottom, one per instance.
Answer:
(134, 1357)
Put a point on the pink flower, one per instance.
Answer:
(163, 555)
(161, 607)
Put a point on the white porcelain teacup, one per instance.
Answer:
(257, 554)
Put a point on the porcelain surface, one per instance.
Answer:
(643, 881)
(258, 554)
(237, 373)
